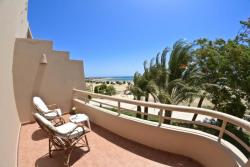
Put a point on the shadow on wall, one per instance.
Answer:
(38, 80)
(53, 81)
(35, 86)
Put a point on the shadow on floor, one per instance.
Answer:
(162, 157)
(39, 135)
(57, 159)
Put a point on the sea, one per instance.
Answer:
(113, 78)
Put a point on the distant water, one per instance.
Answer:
(121, 78)
(113, 78)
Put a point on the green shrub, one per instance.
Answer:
(105, 89)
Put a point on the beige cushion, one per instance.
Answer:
(42, 107)
(44, 121)
(65, 130)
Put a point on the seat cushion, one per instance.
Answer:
(51, 115)
(65, 129)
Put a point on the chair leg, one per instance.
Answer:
(67, 156)
(87, 142)
(50, 149)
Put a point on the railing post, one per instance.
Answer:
(119, 108)
(160, 116)
(222, 129)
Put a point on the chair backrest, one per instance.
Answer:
(55, 137)
(44, 123)
(47, 125)
(40, 105)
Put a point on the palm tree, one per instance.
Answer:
(198, 84)
(168, 79)
(194, 79)
(137, 91)
(164, 82)
(142, 87)
(148, 87)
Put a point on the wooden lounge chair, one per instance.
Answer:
(63, 136)
(50, 112)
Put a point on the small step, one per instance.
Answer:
(43, 44)
(76, 62)
(63, 54)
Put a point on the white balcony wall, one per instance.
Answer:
(13, 23)
(195, 144)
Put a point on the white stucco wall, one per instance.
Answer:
(13, 23)
(197, 145)
(53, 81)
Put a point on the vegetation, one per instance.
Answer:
(152, 118)
(162, 82)
(105, 89)
(216, 70)
(225, 64)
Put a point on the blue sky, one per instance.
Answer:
(114, 37)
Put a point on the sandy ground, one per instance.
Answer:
(120, 93)
(119, 88)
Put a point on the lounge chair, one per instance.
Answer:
(66, 136)
(50, 112)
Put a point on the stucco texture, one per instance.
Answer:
(197, 145)
(53, 81)
(13, 23)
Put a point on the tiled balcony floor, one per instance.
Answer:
(107, 150)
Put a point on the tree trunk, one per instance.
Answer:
(138, 115)
(199, 106)
(167, 114)
(146, 109)
(215, 106)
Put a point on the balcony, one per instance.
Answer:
(107, 149)
(196, 143)
(119, 139)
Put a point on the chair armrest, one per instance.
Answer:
(51, 111)
(72, 131)
(53, 106)
(58, 121)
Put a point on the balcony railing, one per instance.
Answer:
(225, 118)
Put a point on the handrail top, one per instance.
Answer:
(223, 116)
